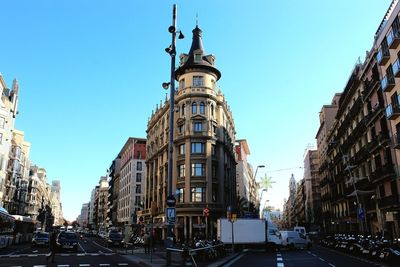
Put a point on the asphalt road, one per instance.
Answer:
(316, 257)
(91, 253)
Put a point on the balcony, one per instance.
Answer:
(388, 201)
(387, 83)
(392, 111)
(396, 68)
(396, 140)
(393, 38)
(382, 172)
(382, 56)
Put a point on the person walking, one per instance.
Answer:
(146, 242)
(53, 246)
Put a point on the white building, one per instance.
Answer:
(131, 181)
(84, 215)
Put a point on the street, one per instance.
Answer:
(91, 253)
(318, 256)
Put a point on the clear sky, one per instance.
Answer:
(90, 73)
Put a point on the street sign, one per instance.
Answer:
(171, 201)
(360, 213)
(171, 216)
(206, 212)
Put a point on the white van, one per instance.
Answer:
(273, 235)
(293, 239)
(300, 229)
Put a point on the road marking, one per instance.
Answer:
(104, 264)
(330, 264)
(95, 254)
(65, 254)
(122, 264)
(94, 242)
(313, 254)
(81, 247)
(39, 265)
(65, 265)
(15, 256)
(33, 255)
(84, 265)
(81, 254)
(280, 264)
(321, 259)
(279, 259)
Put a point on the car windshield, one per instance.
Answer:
(66, 235)
(42, 235)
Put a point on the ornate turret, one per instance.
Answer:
(197, 58)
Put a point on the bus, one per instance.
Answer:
(7, 226)
(23, 229)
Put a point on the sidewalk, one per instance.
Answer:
(158, 258)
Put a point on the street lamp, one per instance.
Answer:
(253, 179)
(232, 217)
(171, 50)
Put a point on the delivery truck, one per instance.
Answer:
(249, 233)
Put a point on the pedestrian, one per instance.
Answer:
(53, 246)
(146, 242)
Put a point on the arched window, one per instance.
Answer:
(194, 108)
(212, 110)
(183, 110)
(202, 107)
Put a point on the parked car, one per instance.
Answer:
(40, 239)
(114, 238)
(67, 240)
(293, 239)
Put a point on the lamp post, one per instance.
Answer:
(232, 216)
(171, 50)
(253, 179)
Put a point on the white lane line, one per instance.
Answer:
(81, 247)
(280, 264)
(330, 264)
(33, 255)
(39, 265)
(65, 254)
(313, 254)
(95, 254)
(104, 264)
(122, 264)
(64, 265)
(84, 265)
(321, 259)
(94, 242)
(81, 254)
(279, 259)
(15, 256)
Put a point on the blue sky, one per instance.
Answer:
(90, 73)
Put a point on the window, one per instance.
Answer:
(138, 177)
(214, 195)
(198, 169)
(214, 170)
(197, 127)
(180, 129)
(212, 111)
(198, 194)
(194, 108)
(202, 107)
(181, 170)
(2, 121)
(138, 189)
(139, 166)
(181, 83)
(183, 110)
(198, 147)
(137, 201)
(213, 150)
(198, 81)
(182, 149)
(197, 57)
(180, 195)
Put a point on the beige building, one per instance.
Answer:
(8, 112)
(203, 158)
(101, 204)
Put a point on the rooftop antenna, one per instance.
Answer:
(197, 19)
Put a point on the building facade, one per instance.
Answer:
(131, 182)
(204, 172)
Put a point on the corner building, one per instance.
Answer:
(203, 150)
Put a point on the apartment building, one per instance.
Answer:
(204, 173)
(131, 181)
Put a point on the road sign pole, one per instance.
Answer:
(207, 227)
